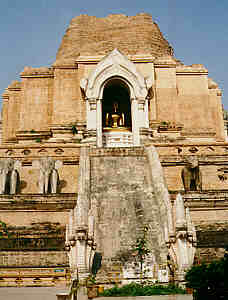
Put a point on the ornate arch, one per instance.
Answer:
(115, 65)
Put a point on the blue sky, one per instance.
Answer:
(31, 31)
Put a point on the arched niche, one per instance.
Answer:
(117, 69)
(116, 93)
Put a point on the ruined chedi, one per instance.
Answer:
(115, 149)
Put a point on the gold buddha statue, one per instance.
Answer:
(115, 120)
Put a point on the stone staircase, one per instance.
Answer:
(123, 202)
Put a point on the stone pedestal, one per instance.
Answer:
(117, 139)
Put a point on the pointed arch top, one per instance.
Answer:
(115, 65)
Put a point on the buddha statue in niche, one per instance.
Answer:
(115, 119)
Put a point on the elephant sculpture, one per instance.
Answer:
(9, 176)
(48, 177)
(191, 175)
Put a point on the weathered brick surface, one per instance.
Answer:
(88, 35)
(51, 97)
(68, 104)
(124, 204)
(36, 100)
(35, 259)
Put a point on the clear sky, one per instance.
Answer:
(31, 31)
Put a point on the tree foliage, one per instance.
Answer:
(136, 289)
(210, 281)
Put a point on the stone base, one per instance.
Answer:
(118, 139)
(34, 277)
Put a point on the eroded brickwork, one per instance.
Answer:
(88, 35)
(124, 204)
(33, 259)
(47, 115)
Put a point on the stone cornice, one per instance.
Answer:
(43, 72)
(128, 151)
(204, 200)
(133, 58)
(63, 66)
(212, 160)
(5, 95)
(37, 76)
(22, 135)
(195, 69)
(38, 202)
(14, 86)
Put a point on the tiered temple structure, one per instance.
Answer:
(115, 137)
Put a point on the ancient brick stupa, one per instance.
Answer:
(116, 141)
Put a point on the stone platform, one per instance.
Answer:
(34, 293)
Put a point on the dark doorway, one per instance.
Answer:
(116, 92)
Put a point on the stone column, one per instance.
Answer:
(99, 123)
(135, 127)
(91, 113)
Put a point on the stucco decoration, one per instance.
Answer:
(161, 191)
(80, 231)
(172, 232)
(183, 245)
(9, 176)
(180, 212)
(115, 65)
(191, 175)
(49, 177)
(179, 231)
